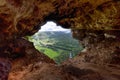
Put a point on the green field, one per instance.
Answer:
(47, 51)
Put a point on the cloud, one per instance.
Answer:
(51, 26)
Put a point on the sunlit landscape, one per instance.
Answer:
(56, 42)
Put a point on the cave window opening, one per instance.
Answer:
(56, 42)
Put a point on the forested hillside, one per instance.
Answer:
(58, 45)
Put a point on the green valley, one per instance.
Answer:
(58, 45)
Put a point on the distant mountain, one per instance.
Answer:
(58, 45)
(53, 34)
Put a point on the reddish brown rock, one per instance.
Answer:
(95, 23)
(23, 54)
(20, 18)
(71, 71)
(5, 67)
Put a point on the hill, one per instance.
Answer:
(57, 45)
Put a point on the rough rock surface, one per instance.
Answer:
(20, 18)
(95, 23)
(71, 71)
(24, 54)
(101, 46)
(5, 67)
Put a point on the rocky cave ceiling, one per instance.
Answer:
(19, 18)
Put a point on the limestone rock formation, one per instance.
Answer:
(95, 23)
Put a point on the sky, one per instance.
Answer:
(51, 26)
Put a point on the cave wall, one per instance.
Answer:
(101, 47)
(95, 24)
(25, 17)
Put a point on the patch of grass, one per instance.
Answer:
(49, 52)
